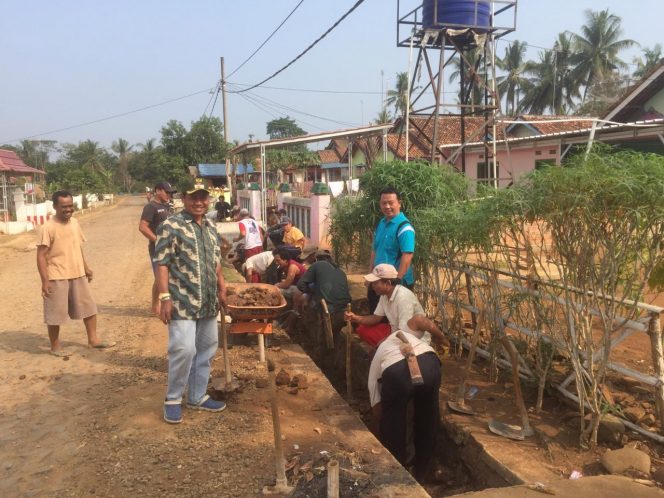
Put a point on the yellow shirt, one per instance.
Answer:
(294, 237)
(64, 258)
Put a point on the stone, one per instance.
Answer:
(634, 413)
(292, 390)
(658, 475)
(648, 420)
(261, 383)
(283, 378)
(611, 430)
(626, 461)
(299, 381)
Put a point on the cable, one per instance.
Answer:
(216, 96)
(357, 4)
(107, 118)
(216, 90)
(312, 90)
(292, 109)
(266, 40)
(269, 109)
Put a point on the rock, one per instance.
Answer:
(21, 377)
(299, 381)
(611, 430)
(658, 475)
(261, 383)
(624, 399)
(606, 392)
(283, 378)
(647, 406)
(625, 461)
(634, 413)
(292, 390)
(648, 420)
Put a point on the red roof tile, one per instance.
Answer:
(9, 161)
(328, 156)
(562, 123)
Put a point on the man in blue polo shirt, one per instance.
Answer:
(394, 242)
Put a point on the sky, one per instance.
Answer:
(72, 62)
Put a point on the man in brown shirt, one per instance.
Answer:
(65, 275)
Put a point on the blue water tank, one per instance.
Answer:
(456, 14)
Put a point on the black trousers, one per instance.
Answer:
(396, 392)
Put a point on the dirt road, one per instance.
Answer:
(92, 424)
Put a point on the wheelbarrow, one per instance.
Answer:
(254, 319)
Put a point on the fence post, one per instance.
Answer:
(657, 351)
(280, 198)
(320, 220)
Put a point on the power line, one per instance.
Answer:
(212, 96)
(266, 40)
(107, 118)
(273, 111)
(311, 90)
(292, 109)
(357, 4)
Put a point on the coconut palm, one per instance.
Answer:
(514, 65)
(123, 149)
(383, 117)
(471, 87)
(651, 57)
(399, 96)
(597, 48)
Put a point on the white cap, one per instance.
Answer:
(382, 271)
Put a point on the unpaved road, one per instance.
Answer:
(92, 424)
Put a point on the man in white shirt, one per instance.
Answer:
(256, 266)
(391, 390)
(398, 304)
(250, 234)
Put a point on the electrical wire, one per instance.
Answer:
(266, 40)
(216, 96)
(271, 110)
(312, 90)
(292, 109)
(212, 96)
(301, 54)
(107, 118)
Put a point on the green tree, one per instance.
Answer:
(651, 57)
(85, 168)
(124, 150)
(514, 65)
(383, 117)
(597, 48)
(399, 95)
(283, 128)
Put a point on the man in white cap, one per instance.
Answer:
(399, 305)
(250, 232)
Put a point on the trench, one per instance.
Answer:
(460, 464)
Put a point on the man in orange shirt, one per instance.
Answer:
(65, 275)
(293, 236)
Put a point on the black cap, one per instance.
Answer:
(165, 186)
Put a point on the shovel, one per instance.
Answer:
(229, 384)
(460, 405)
(327, 324)
(507, 430)
(349, 338)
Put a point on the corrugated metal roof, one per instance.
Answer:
(334, 165)
(9, 161)
(216, 170)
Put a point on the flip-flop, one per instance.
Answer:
(61, 353)
(104, 345)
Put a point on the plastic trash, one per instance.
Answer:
(472, 392)
(576, 474)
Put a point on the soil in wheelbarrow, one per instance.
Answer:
(253, 296)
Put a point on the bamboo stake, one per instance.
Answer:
(333, 479)
(349, 337)
(657, 351)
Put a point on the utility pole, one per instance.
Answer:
(229, 177)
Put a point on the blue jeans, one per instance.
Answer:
(191, 347)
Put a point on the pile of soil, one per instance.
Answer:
(253, 296)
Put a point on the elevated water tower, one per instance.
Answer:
(464, 32)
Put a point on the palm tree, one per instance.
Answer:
(511, 83)
(399, 96)
(597, 48)
(651, 57)
(472, 90)
(383, 117)
(123, 150)
(549, 86)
